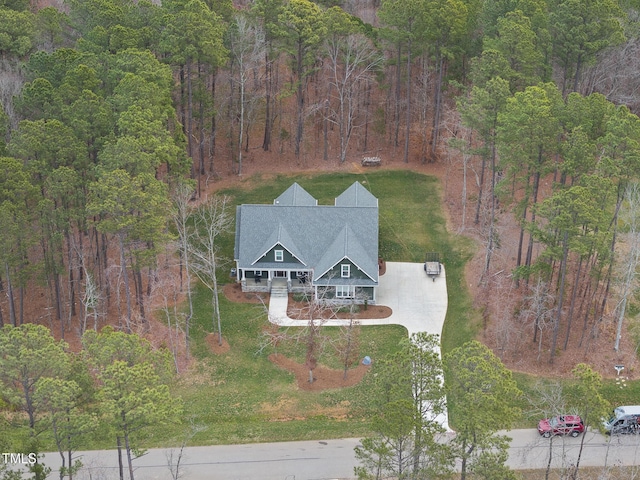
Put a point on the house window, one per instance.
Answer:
(345, 291)
(279, 255)
(345, 270)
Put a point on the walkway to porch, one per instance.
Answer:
(279, 288)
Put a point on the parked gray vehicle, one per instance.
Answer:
(625, 419)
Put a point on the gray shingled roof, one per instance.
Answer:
(295, 195)
(356, 196)
(319, 235)
(346, 245)
(281, 236)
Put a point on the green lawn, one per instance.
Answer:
(411, 223)
(241, 396)
(239, 391)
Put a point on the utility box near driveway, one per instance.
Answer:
(432, 265)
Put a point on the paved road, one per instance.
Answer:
(530, 450)
(313, 460)
(334, 459)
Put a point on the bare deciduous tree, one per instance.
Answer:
(272, 336)
(316, 312)
(247, 45)
(352, 63)
(166, 294)
(628, 262)
(539, 307)
(210, 221)
(11, 82)
(90, 300)
(348, 344)
(181, 197)
(547, 400)
(176, 456)
(463, 145)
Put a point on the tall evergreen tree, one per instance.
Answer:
(302, 29)
(481, 394)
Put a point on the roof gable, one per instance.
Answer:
(347, 245)
(281, 237)
(295, 195)
(356, 196)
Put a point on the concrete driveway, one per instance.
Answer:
(418, 302)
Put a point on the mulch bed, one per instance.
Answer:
(234, 293)
(298, 311)
(212, 341)
(324, 378)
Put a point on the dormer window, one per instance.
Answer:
(345, 270)
(279, 255)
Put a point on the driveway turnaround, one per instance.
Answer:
(417, 302)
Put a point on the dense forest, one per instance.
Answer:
(110, 106)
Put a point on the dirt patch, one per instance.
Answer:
(286, 409)
(214, 344)
(324, 378)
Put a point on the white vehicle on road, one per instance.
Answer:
(625, 419)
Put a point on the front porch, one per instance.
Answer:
(266, 280)
(335, 290)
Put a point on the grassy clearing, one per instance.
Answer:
(241, 397)
(411, 223)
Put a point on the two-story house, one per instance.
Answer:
(330, 250)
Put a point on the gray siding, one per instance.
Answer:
(288, 259)
(336, 273)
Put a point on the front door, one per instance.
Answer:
(280, 274)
